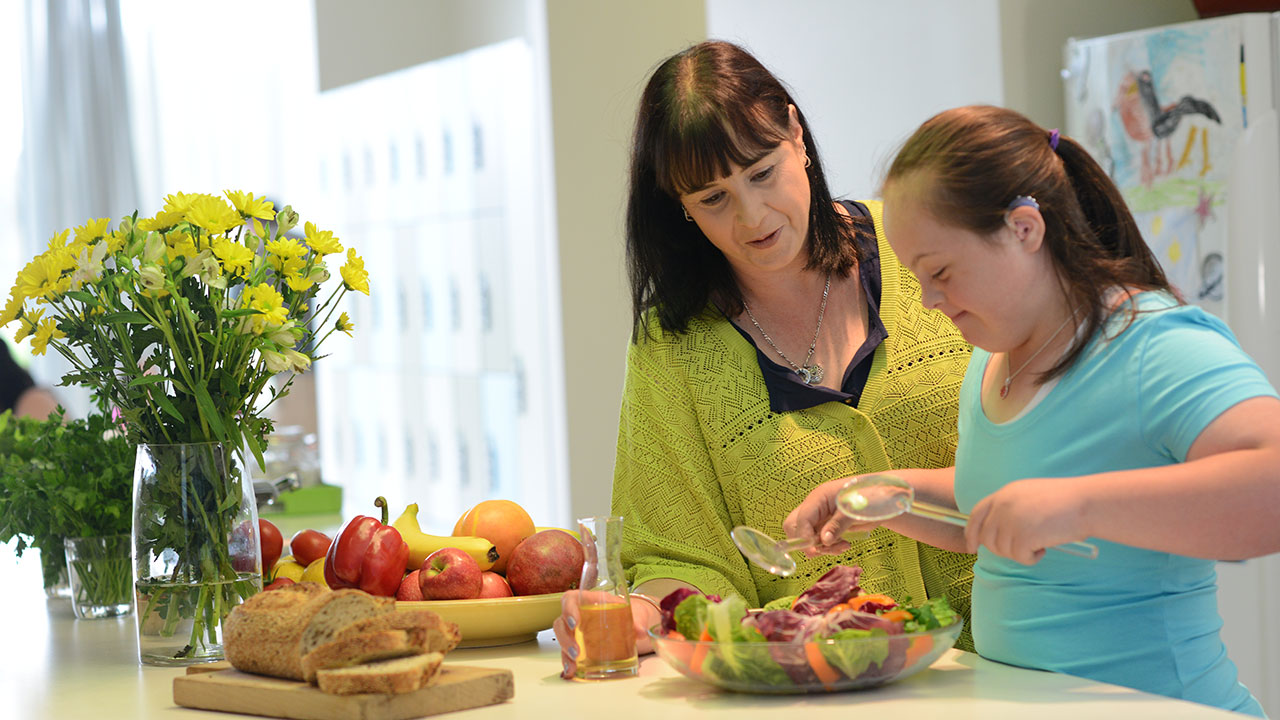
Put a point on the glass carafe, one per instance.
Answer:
(605, 634)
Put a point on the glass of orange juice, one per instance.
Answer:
(605, 635)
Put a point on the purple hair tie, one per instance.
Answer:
(1053, 139)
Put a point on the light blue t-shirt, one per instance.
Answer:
(1133, 617)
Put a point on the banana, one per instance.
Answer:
(574, 533)
(421, 544)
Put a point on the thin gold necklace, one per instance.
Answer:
(810, 374)
(1008, 378)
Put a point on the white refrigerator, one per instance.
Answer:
(1184, 119)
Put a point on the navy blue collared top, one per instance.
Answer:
(786, 390)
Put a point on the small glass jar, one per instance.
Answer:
(605, 632)
(100, 571)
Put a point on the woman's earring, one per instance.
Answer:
(686, 214)
(807, 161)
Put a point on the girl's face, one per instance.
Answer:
(758, 216)
(990, 287)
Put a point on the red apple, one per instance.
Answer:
(545, 562)
(409, 589)
(493, 585)
(449, 574)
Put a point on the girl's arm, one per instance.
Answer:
(818, 519)
(1223, 503)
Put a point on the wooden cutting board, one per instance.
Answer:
(454, 687)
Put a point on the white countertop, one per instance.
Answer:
(56, 666)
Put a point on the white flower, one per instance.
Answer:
(286, 335)
(298, 361)
(151, 277)
(89, 265)
(155, 250)
(276, 362)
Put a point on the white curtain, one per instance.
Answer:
(77, 158)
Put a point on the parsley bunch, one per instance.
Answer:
(62, 480)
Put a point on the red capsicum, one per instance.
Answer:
(367, 554)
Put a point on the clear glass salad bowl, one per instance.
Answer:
(805, 667)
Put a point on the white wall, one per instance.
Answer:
(867, 72)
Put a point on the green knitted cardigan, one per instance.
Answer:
(700, 451)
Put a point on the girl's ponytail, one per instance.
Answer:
(1107, 215)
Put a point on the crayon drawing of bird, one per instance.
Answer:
(1152, 124)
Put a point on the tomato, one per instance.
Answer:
(272, 543)
(279, 583)
(307, 545)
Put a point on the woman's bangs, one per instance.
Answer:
(694, 157)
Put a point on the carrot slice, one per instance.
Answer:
(826, 674)
(700, 652)
(920, 646)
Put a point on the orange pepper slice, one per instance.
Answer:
(862, 600)
(896, 615)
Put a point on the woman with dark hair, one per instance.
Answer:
(777, 343)
(1096, 405)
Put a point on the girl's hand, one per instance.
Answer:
(643, 616)
(1021, 519)
(818, 519)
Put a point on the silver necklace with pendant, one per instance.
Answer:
(1009, 376)
(811, 374)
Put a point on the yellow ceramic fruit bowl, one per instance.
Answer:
(486, 622)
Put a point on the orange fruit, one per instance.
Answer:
(501, 522)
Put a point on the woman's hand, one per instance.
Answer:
(1021, 519)
(818, 519)
(643, 617)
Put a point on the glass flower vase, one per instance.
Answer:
(100, 576)
(195, 549)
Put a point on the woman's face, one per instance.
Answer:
(758, 216)
(986, 285)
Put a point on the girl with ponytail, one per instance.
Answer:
(1096, 405)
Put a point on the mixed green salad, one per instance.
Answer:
(784, 643)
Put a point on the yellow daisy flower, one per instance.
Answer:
(322, 241)
(299, 282)
(42, 278)
(236, 259)
(344, 324)
(45, 332)
(12, 309)
(354, 275)
(250, 207)
(93, 230)
(213, 214)
(162, 221)
(285, 248)
(270, 306)
(180, 245)
(28, 323)
(59, 240)
(114, 241)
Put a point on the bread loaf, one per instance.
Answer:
(358, 648)
(426, 629)
(400, 675)
(270, 632)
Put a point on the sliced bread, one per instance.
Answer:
(356, 649)
(426, 629)
(264, 632)
(343, 608)
(271, 632)
(401, 675)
